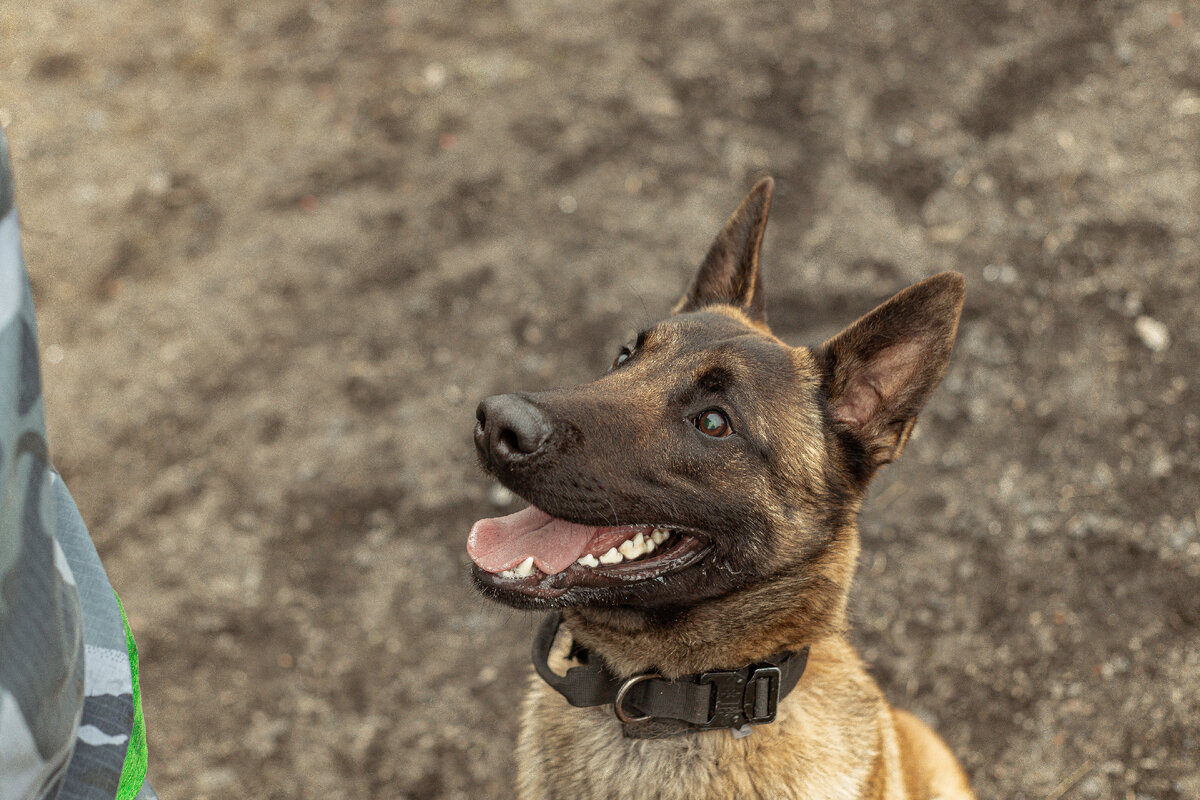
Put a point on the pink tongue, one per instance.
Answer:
(504, 542)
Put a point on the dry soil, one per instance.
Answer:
(281, 249)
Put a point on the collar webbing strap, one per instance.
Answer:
(650, 705)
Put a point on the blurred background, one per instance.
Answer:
(281, 249)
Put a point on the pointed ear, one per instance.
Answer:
(880, 371)
(730, 271)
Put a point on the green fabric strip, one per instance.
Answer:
(133, 773)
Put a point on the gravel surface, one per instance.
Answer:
(280, 250)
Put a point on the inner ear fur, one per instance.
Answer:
(730, 272)
(881, 370)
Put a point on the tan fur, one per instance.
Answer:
(835, 738)
(823, 421)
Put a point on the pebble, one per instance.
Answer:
(1153, 333)
(434, 77)
(500, 496)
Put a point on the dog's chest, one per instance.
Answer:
(566, 752)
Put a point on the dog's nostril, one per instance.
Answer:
(510, 426)
(510, 440)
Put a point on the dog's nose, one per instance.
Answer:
(509, 427)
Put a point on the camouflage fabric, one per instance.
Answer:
(70, 722)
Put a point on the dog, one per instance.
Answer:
(692, 529)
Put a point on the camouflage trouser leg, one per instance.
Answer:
(70, 710)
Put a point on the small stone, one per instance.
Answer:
(1153, 333)
(434, 76)
(158, 183)
(499, 496)
(1160, 465)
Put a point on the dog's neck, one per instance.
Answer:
(791, 610)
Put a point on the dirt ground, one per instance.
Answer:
(281, 249)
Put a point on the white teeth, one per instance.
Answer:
(611, 557)
(632, 548)
(525, 568)
(629, 550)
(508, 573)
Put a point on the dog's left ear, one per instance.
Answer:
(880, 371)
(730, 271)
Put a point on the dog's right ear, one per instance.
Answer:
(880, 371)
(730, 272)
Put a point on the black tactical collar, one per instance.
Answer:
(650, 706)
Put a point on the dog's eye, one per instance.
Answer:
(713, 423)
(622, 357)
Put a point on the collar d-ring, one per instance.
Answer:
(619, 702)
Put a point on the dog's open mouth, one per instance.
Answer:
(536, 554)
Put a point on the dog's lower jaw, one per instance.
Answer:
(625, 620)
(785, 613)
(783, 608)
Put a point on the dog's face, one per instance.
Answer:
(712, 456)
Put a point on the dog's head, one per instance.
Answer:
(712, 457)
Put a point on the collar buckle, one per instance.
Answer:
(760, 701)
(738, 700)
